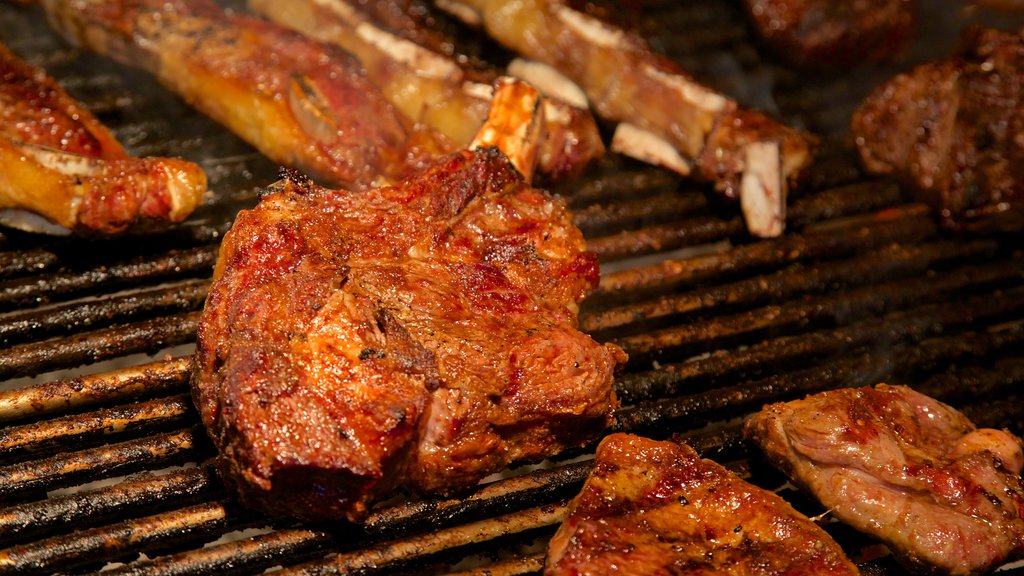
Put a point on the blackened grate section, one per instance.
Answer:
(106, 466)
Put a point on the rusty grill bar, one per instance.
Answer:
(108, 467)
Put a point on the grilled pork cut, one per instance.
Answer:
(63, 171)
(429, 87)
(944, 496)
(821, 33)
(953, 130)
(302, 103)
(665, 116)
(420, 335)
(657, 508)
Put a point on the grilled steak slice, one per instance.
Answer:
(429, 87)
(903, 467)
(657, 508)
(666, 117)
(821, 33)
(419, 335)
(303, 104)
(63, 171)
(953, 129)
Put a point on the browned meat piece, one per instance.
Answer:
(665, 116)
(953, 130)
(63, 171)
(656, 508)
(429, 87)
(419, 335)
(824, 33)
(303, 104)
(944, 496)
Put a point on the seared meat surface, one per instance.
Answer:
(63, 170)
(822, 33)
(944, 496)
(418, 335)
(657, 508)
(953, 129)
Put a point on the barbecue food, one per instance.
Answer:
(419, 335)
(657, 508)
(429, 87)
(63, 171)
(953, 130)
(822, 33)
(666, 117)
(303, 104)
(907, 469)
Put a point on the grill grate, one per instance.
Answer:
(107, 466)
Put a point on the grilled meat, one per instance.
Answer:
(953, 129)
(903, 467)
(63, 171)
(667, 117)
(821, 33)
(657, 508)
(419, 335)
(428, 87)
(303, 104)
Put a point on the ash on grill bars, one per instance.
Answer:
(890, 256)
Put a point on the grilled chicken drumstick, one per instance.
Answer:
(418, 335)
(62, 171)
(946, 498)
(657, 508)
(431, 88)
(666, 117)
(302, 103)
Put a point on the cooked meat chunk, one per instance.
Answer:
(418, 335)
(953, 129)
(823, 33)
(657, 508)
(63, 171)
(944, 496)
(666, 117)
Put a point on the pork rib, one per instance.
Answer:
(430, 87)
(64, 172)
(303, 104)
(896, 464)
(667, 117)
(657, 508)
(418, 335)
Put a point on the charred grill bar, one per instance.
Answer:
(111, 468)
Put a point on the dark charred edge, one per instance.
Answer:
(26, 479)
(819, 311)
(599, 219)
(841, 201)
(133, 497)
(903, 226)
(528, 564)
(122, 541)
(69, 318)
(147, 336)
(448, 540)
(662, 237)
(771, 355)
(34, 291)
(622, 185)
(883, 264)
(80, 430)
(894, 364)
(83, 392)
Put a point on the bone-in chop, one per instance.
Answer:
(61, 170)
(665, 116)
(653, 507)
(420, 335)
(944, 496)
